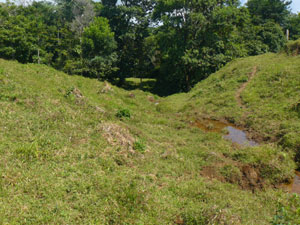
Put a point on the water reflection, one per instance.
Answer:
(239, 137)
(233, 133)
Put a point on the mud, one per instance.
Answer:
(250, 179)
(231, 132)
(294, 186)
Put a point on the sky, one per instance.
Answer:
(295, 6)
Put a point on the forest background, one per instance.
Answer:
(176, 42)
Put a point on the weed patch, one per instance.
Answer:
(123, 113)
(139, 146)
(293, 48)
(288, 214)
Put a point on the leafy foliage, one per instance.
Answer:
(123, 113)
(265, 10)
(293, 25)
(98, 47)
(293, 48)
(178, 43)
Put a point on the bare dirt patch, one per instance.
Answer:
(249, 179)
(212, 172)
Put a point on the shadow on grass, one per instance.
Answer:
(136, 83)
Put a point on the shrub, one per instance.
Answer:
(139, 146)
(69, 92)
(293, 48)
(123, 113)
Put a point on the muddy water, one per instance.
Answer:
(232, 133)
(238, 136)
(294, 187)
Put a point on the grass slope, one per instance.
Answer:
(270, 102)
(66, 158)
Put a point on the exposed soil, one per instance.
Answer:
(77, 93)
(243, 87)
(212, 172)
(250, 178)
(247, 177)
(294, 186)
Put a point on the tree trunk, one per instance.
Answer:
(39, 61)
(187, 82)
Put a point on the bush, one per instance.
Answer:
(293, 48)
(123, 113)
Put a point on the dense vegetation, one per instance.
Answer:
(178, 42)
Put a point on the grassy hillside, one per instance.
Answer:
(78, 151)
(268, 107)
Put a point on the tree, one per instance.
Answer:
(274, 10)
(16, 42)
(98, 47)
(293, 24)
(129, 21)
(196, 38)
(83, 14)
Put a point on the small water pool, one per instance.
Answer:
(233, 133)
(238, 136)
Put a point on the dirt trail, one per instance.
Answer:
(242, 88)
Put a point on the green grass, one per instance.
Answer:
(271, 100)
(66, 158)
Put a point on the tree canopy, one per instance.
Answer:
(177, 42)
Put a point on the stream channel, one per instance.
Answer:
(238, 136)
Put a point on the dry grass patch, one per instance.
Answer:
(117, 136)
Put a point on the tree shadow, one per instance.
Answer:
(146, 84)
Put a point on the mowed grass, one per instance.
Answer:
(66, 158)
